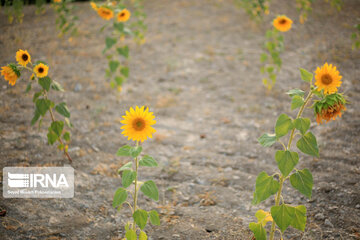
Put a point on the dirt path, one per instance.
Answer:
(199, 73)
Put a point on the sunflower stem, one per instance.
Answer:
(283, 178)
(136, 181)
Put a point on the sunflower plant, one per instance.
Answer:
(355, 37)
(65, 20)
(137, 127)
(270, 59)
(14, 10)
(256, 9)
(139, 27)
(118, 15)
(43, 105)
(328, 106)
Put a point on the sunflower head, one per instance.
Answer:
(329, 108)
(94, 6)
(57, 1)
(137, 124)
(23, 57)
(10, 73)
(327, 78)
(282, 23)
(105, 13)
(123, 16)
(41, 70)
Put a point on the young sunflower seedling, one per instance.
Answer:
(137, 127)
(56, 133)
(329, 105)
(271, 60)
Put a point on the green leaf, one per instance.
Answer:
(42, 106)
(109, 42)
(28, 88)
(62, 109)
(258, 230)
(119, 26)
(150, 189)
(128, 177)
(296, 102)
(68, 123)
(302, 181)
(124, 51)
(142, 236)
(265, 187)
(263, 57)
(56, 86)
(286, 161)
(299, 219)
(36, 117)
(127, 166)
(113, 65)
(124, 151)
(140, 217)
(148, 161)
(57, 127)
(296, 92)
(130, 235)
(52, 137)
(66, 136)
(305, 75)
(36, 96)
(45, 82)
(135, 151)
(266, 140)
(119, 80)
(154, 217)
(307, 144)
(283, 125)
(282, 215)
(125, 71)
(302, 124)
(119, 197)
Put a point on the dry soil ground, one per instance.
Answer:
(199, 73)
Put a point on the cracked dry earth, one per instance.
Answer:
(199, 73)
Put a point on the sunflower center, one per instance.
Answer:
(41, 70)
(326, 79)
(25, 57)
(122, 14)
(138, 124)
(282, 21)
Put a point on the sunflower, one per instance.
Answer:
(10, 73)
(105, 13)
(41, 70)
(94, 6)
(57, 1)
(327, 78)
(329, 108)
(137, 124)
(123, 16)
(23, 57)
(282, 23)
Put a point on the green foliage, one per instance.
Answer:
(302, 181)
(258, 230)
(65, 20)
(306, 76)
(283, 125)
(140, 217)
(14, 10)
(304, 8)
(154, 218)
(119, 197)
(307, 144)
(355, 37)
(128, 177)
(302, 124)
(270, 59)
(267, 139)
(150, 190)
(265, 187)
(62, 109)
(286, 161)
(148, 161)
(296, 102)
(282, 215)
(256, 9)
